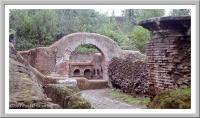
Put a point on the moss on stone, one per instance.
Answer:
(26, 79)
(176, 99)
(67, 96)
(13, 91)
(26, 92)
(62, 90)
(76, 102)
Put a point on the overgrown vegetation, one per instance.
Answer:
(176, 99)
(128, 98)
(42, 27)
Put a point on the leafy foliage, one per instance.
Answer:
(33, 27)
(133, 16)
(144, 14)
(42, 27)
(179, 12)
(140, 36)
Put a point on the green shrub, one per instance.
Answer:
(176, 99)
(140, 37)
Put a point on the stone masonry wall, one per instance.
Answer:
(168, 53)
(40, 58)
(54, 60)
(128, 73)
(168, 63)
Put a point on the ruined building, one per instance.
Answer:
(168, 53)
(168, 58)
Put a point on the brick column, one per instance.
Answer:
(168, 53)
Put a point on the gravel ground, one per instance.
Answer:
(99, 100)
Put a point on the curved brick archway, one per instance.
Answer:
(66, 45)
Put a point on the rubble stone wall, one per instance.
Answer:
(128, 73)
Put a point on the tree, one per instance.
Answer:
(144, 14)
(113, 31)
(36, 27)
(66, 21)
(130, 22)
(179, 12)
(140, 36)
(33, 27)
(133, 16)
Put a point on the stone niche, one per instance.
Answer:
(168, 53)
(90, 70)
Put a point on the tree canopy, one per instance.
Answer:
(179, 12)
(42, 27)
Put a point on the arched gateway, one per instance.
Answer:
(66, 45)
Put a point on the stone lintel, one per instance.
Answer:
(167, 23)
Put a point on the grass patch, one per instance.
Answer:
(180, 91)
(128, 98)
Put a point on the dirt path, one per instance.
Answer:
(99, 100)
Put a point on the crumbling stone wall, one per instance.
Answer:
(41, 58)
(25, 89)
(168, 53)
(54, 60)
(128, 73)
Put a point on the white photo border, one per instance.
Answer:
(99, 112)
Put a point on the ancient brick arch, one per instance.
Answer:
(65, 46)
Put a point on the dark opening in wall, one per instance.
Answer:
(87, 73)
(98, 72)
(77, 72)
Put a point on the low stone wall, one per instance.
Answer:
(84, 83)
(129, 74)
(66, 96)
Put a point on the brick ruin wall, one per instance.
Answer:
(168, 63)
(168, 53)
(41, 58)
(88, 65)
(55, 59)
